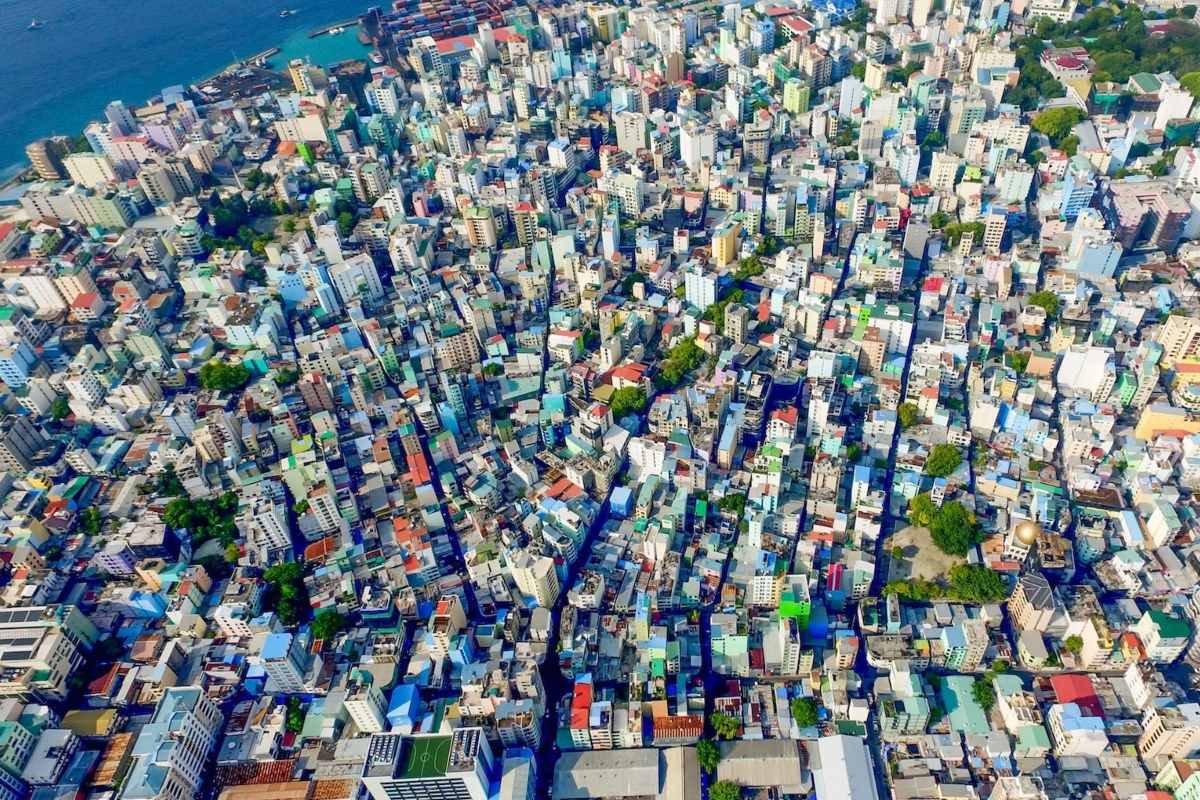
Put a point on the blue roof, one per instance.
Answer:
(276, 645)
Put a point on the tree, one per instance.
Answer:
(108, 649)
(60, 409)
(734, 503)
(725, 726)
(749, 267)
(627, 400)
(681, 360)
(1057, 123)
(708, 755)
(984, 693)
(1191, 82)
(954, 529)
(232, 553)
(92, 521)
(168, 483)
(1046, 300)
(345, 223)
(216, 566)
(897, 553)
(327, 624)
(629, 281)
(206, 518)
(295, 715)
(725, 790)
(943, 460)
(921, 511)
(859, 69)
(804, 712)
(975, 583)
(1073, 645)
(219, 376)
(1017, 359)
(286, 377)
(286, 593)
(939, 219)
(908, 413)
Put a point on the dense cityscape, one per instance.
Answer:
(691, 400)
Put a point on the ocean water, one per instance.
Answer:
(56, 79)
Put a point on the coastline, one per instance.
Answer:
(323, 48)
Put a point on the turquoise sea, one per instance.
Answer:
(57, 78)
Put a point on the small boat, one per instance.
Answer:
(36, 24)
(335, 31)
(375, 57)
(287, 12)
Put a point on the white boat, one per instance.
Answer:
(36, 24)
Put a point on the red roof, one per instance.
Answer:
(1077, 689)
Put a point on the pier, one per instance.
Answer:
(327, 28)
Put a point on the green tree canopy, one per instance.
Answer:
(708, 755)
(984, 693)
(943, 460)
(60, 409)
(1046, 300)
(286, 593)
(1057, 123)
(975, 583)
(219, 376)
(724, 790)
(804, 712)
(725, 726)
(681, 360)
(735, 503)
(908, 414)
(327, 624)
(954, 529)
(627, 400)
(206, 518)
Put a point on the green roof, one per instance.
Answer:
(1170, 627)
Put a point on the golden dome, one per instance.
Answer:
(1027, 532)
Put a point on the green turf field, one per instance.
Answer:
(427, 757)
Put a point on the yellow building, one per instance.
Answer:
(725, 243)
(1162, 418)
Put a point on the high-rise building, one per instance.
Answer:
(481, 226)
(993, 232)
(300, 75)
(756, 141)
(631, 131)
(737, 319)
(725, 243)
(46, 156)
(286, 661)
(536, 578)
(1180, 339)
(20, 442)
(173, 749)
(455, 767)
(700, 287)
(870, 140)
(365, 704)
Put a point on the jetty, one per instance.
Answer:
(332, 26)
